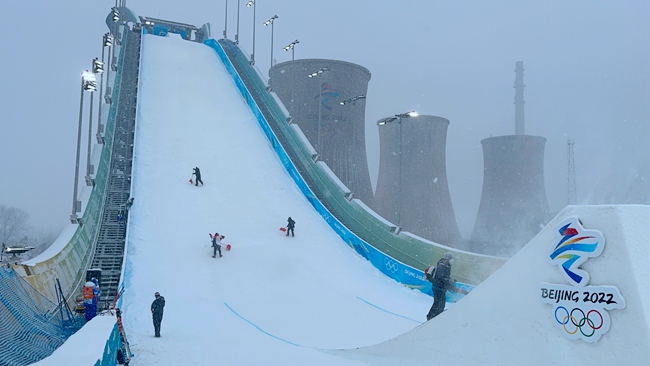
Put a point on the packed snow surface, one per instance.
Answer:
(271, 298)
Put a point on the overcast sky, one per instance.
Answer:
(587, 77)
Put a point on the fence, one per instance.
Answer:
(32, 326)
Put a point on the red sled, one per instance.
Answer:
(227, 246)
(191, 181)
(283, 229)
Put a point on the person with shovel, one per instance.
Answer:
(197, 175)
(441, 282)
(290, 226)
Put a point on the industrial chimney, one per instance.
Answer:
(513, 204)
(330, 94)
(412, 190)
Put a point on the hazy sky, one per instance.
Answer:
(587, 77)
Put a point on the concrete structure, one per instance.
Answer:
(314, 101)
(412, 166)
(513, 205)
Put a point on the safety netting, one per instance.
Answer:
(31, 326)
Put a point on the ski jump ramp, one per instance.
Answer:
(308, 299)
(507, 310)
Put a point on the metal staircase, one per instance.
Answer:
(109, 250)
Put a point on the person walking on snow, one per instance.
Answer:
(216, 244)
(157, 312)
(290, 225)
(439, 276)
(197, 174)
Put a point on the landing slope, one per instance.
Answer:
(270, 299)
(505, 322)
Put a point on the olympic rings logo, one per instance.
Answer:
(390, 264)
(572, 324)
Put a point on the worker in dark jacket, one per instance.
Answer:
(157, 312)
(290, 225)
(197, 175)
(441, 281)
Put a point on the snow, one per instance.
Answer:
(289, 296)
(503, 321)
(84, 347)
(309, 299)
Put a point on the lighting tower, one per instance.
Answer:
(571, 176)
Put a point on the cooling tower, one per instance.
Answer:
(342, 127)
(412, 166)
(513, 205)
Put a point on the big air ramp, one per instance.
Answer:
(506, 320)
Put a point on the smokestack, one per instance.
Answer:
(513, 204)
(519, 98)
(314, 101)
(412, 189)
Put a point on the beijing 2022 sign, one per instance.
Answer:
(579, 311)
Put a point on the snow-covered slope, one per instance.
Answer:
(505, 322)
(271, 298)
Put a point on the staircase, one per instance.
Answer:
(109, 250)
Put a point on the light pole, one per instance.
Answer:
(353, 146)
(381, 122)
(237, 34)
(249, 4)
(272, 22)
(290, 46)
(97, 68)
(225, 26)
(352, 100)
(319, 73)
(107, 41)
(87, 83)
(111, 51)
(116, 13)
